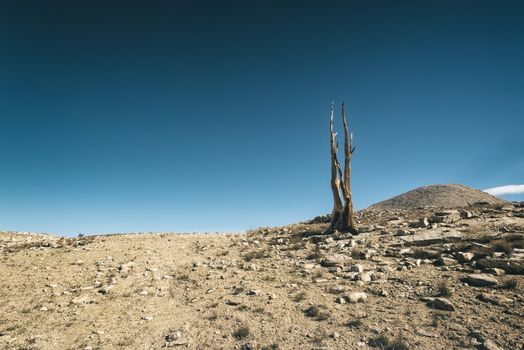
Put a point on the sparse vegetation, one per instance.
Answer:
(256, 254)
(510, 284)
(355, 323)
(317, 254)
(444, 291)
(317, 313)
(312, 311)
(273, 346)
(241, 333)
(242, 307)
(425, 254)
(383, 342)
(437, 317)
(515, 269)
(298, 297)
(502, 245)
(358, 253)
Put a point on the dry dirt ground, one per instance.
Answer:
(453, 281)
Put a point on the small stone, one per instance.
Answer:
(445, 216)
(340, 300)
(233, 301)
(78, 262)
(83, 299)
(421, 223)
(172, 336)
(445, 261)
(441, 304)
(43, 308)
(319, 280)
(253, 292)
(465, 257)
(338, 289)
(353, 276)
(490, 345)
(335, 260)
(495, 271)
(356, 268)
(365, 277)
(105, 290)
(356, 297)
(147, 318)
(335, 335)
(481, 280)
(466, 214)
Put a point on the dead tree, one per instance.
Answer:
(342, 219)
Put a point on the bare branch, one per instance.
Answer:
(335, 181)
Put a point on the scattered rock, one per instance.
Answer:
(106, 290)
(440, 304)
(464, 214)
(447, 261)
(490, 345)
(335, 260)
(465, 257)
(356, 268)
(481, 280)
(431, 237)
(445, 216)
(421, 223)
(340, 300)
(338, 289)
(233, 301)
(356, 297)
(365, 277)
(494, 299)
(83, 299)
(495, 271)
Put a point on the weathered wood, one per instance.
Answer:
(342, 216)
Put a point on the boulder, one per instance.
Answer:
(465, 257)
(445, 216)
(335, 260)
(494, 299)
(431, 237)
(481, 280)
(440, 304)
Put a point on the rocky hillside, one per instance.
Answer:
(439, 196)
(413, 279)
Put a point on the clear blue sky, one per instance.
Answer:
(121, 116)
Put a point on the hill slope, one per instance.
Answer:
(443, 196)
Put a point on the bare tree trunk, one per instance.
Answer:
(335, 181)
(342, 216)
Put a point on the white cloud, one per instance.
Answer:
(503, 190)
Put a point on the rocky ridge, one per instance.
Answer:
(438, 196)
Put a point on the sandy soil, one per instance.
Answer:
(276, 288)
